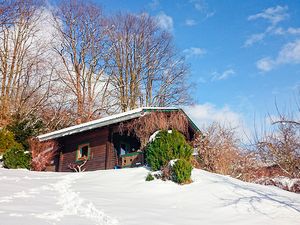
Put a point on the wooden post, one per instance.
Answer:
(60, 160)
(107, 154)
(108, 149)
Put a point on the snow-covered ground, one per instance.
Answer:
(123, 197)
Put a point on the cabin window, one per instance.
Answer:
(83, 152)
(124, 148)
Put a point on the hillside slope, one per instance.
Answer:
(123, 197)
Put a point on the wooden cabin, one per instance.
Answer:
(101, 143)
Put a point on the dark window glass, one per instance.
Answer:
(85, 151)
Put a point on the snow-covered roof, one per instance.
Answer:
(104, 122)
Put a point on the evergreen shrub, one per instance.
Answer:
(16, 158)
(7, 141)
(167, 146)
(149, 177)
(23, 129)
(181, 171)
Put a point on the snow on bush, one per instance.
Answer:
(165, 147)
(285, 183)
(153, 136)
(170, 153)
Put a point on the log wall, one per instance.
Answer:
(101, 151)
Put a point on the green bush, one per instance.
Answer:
(16, 158)
(7, 141)
(165, 147)
(181, 171)
(149, 177)
(23, 129)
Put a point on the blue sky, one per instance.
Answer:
(243, 55)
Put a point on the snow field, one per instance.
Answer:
(114, 197)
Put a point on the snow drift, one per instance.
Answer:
(123, 197)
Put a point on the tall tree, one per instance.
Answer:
(145, 69)
(80, 27)
(24, 70)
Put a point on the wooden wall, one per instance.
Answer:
(101, 150)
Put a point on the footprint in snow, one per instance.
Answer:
(73, 204)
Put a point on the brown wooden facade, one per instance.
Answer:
(101, 153)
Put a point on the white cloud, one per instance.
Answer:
(202, 6)
(279, 31)
(193, 51)
(154, 4)
(289, 54)
(208, 113)
(190, 22)
(222, 76)
(165, 21)
(265, 64)
(210, 14)
(273, 14)
(199, 5)
(253, 39)
(290, 30)
(293, 30)
(205, 114)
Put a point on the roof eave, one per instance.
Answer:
(62, 133)
(108, 121)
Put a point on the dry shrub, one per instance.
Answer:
(219, 150)
(42, 153)
(178, 121)
(281, 147)
(195, 162)
(246, 167)
(78, 167)
(143, 127)
(166, 172)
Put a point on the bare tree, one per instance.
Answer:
(24, 68)
(281, 144)
(83, 65)
(219, 150)
(282, 149)
(58, 113)
(144, 67)
(81, 50)
(288, 118)
(8, 12)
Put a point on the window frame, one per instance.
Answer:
(79, 152)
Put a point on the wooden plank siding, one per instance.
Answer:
(101, 150)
